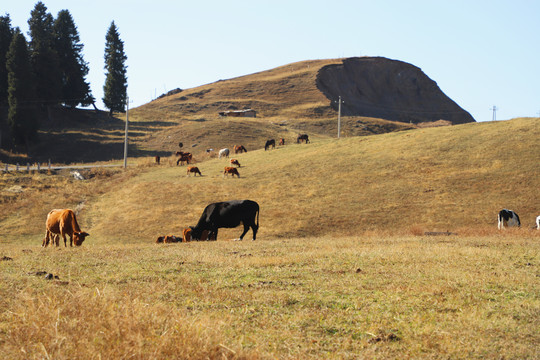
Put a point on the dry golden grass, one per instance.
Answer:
(330, 297)
(341, 268)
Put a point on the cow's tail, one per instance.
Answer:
(258, 211)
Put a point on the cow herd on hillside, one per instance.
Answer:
(227, 214)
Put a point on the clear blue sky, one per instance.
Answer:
(480, 53)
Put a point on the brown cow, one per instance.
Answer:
(186, 235)
(157, 158)
(171, 239)
(63, 222)
(239, 149)
(230, 170)
(235, 162)
(282, 141)
(184, 157)
(204, 235)
(193, 169)
(167, 239)
(269, 143)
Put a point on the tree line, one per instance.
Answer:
(49, 71)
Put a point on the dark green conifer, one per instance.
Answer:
(115, 88)
(21, 95)
(74, 88)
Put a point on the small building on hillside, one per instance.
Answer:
(239, 113)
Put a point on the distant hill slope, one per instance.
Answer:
(380, 96)
(369, 86)
(433, 179)
(388, 89)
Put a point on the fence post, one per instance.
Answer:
(28, 167)
(6, 167)
(17, 167)
(38, 167)
(49, 165)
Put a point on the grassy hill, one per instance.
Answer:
(339, 269)
(436, 179)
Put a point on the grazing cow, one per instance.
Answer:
(302, 137)
(239, 149)
(230, 170)
(184, 157)
(538, 222)
(269, 143)
(193, 169)
(63, 222)
(186, 235)
(282, 141)
(180, 145)
(228, 214)
(157, 159)
(507, 218)
(235, 162)
(159, 240)
(205, 235)
(224, 152)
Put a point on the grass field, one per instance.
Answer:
(341, 269)
(378, 296)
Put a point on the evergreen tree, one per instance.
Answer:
(43, 54)
(115, 88)
(6, 35)
(21, 95)
(74, 88)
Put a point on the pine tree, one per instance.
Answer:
(43, 54)
(21, 95)
(74, 88)
(115, 88)
(6, 35)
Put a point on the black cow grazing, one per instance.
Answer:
(301, 138)
(269, 143)
(508, 218)
(227, 214)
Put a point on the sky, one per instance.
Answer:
(482, 54)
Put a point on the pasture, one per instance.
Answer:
(341, 267)
(374, 296)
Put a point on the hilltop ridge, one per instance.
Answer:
(373, 87)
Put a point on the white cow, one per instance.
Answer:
(224, 152)
(508, 218)
(538, 222)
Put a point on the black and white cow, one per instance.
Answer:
(227, 214)
(508, 218)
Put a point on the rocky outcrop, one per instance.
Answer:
(388, 89)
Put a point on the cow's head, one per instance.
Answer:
(195, 233)
(78, 237)
(186, 235)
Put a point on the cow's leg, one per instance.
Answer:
(246, 229)
(254, 228)
(46, 239)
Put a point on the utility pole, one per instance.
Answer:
(126, 135)
(339, 118)
(494, 108)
